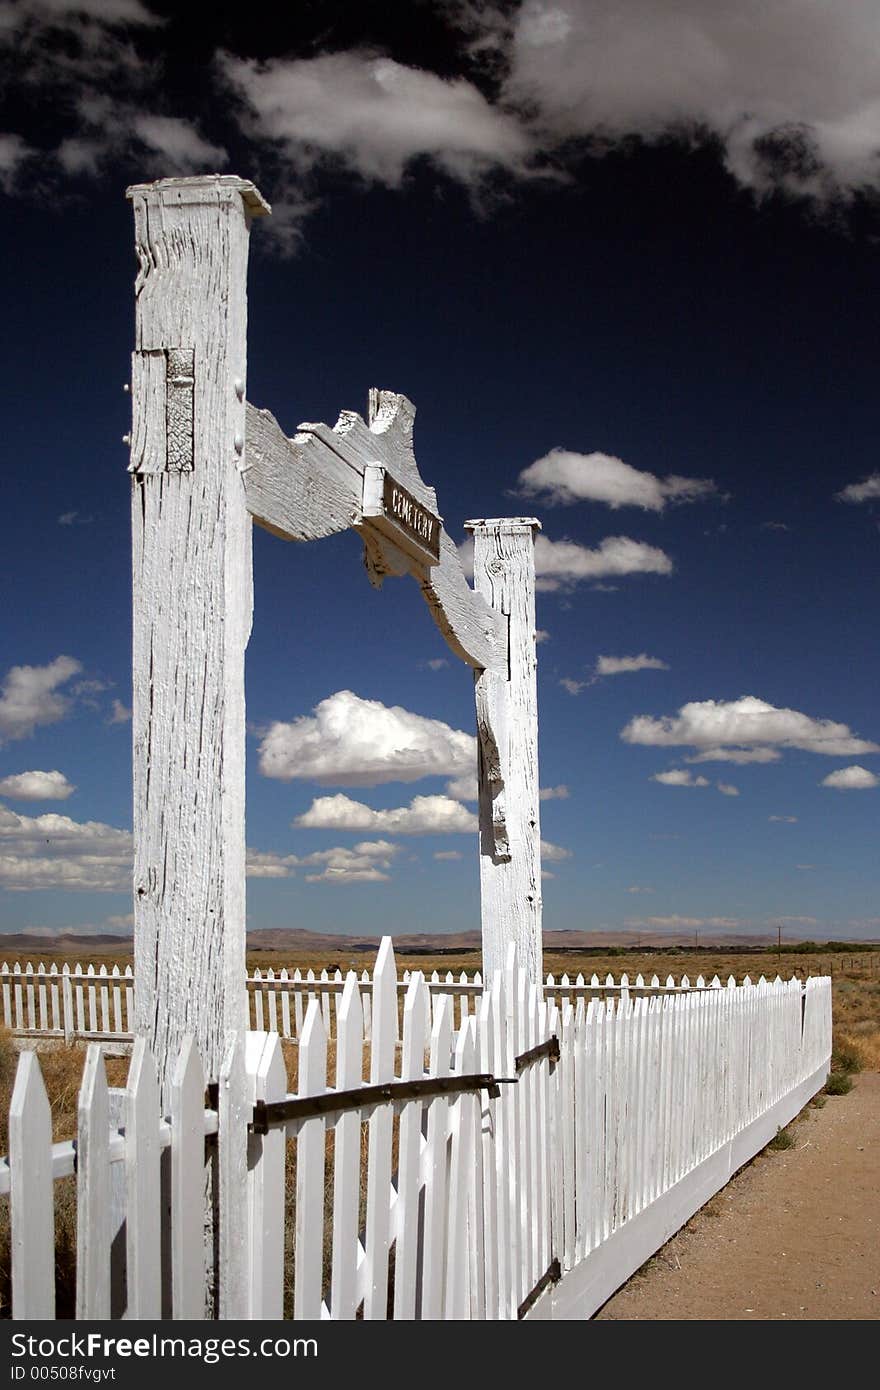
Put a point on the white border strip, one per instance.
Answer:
(583, 1289)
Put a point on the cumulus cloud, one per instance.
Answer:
(727, 789)
(788, 92)
(53, 851)
(37, 786)
(364, 863)
(463, 788)
(425, 815)
(572, 686)
(31, 697)
(617, 665)
(851, 779)
(374, 116)
(784, 820)
(349, 741)
(867, 491)
(447, 854)
(564, 477)
(679, 777)
(744, 724)
(542, 635)
(265, 864)
(367, 862)
(736, 755)
(560, 563)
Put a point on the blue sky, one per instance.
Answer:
(624, 260)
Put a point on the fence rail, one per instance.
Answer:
(95, 1003)
(517, 1159)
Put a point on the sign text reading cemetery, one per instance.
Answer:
(400, 516)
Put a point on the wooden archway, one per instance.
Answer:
(204, 464)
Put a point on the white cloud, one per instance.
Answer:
(727, 789)
(30, 696)
(789, 91)
(637, 888)
(425, 815)
(744, 723)
(37, 786)
(566, 562)
(178, 143)
(784, 820)
(265, 864)
(14, 152)
(851, 779)
(120, 713)
(572, 686)
(365, 863)
(374, 116)
(686, 923)
(560, 793)
(463, 788)
(736, 755)
(437, 663)
(554, 853)
(563, 477)
(617, 665)
(450, 854)
(679, 777)
(542, 635)
(354, 742)
(866, 491)
(53, 851)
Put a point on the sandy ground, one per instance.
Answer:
(794, 1235)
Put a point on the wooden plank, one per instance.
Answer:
(192, 600)
(416, 1010)
(310, 1149)
(380, 1135)
(507, 724)
(496, 1249)
(31, 1203)
(347, 1155)
(144, 1215)
(313, 484)
(92, 1182)
(235, 1111)
(267, 1075)
(435, 1168)
(461, 1175)
(188, 1183)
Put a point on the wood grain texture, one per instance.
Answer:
(312, 486)
(507, 720)
(192, 603)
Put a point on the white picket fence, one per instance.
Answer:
(97, 1004)
(426, 1190)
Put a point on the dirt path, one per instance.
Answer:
(795, 1235)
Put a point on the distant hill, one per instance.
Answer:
(294, 941)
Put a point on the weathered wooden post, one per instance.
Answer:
(507, 726)
(192, 607)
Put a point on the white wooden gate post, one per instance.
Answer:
(192, 592)
(507, 727)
